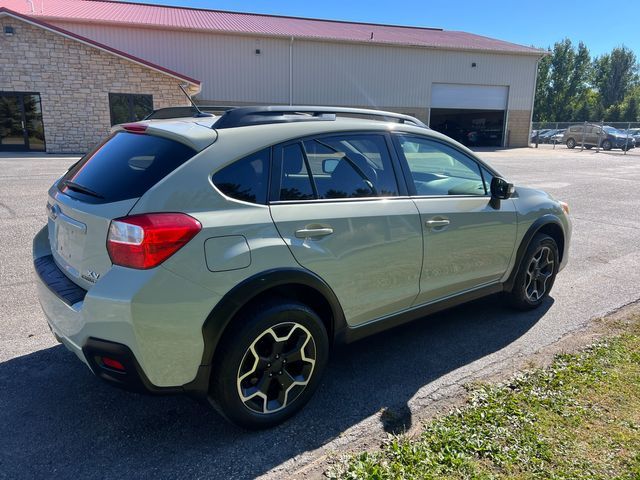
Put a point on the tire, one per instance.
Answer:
(606, 145)
(536, 273)
(588, 147)
(571, 143)
(252, 385)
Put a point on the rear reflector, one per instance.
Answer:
(112, 363)
(145, 241)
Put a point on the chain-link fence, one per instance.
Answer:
(623, 137)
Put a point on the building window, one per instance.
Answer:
(129, 107)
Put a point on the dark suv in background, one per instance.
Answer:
(594, 135)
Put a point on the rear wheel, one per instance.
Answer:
(571, 143)
(269, 364)
(536, 274)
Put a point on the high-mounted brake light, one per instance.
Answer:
(145, 241)
(134, 127)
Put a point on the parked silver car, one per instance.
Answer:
(222, 257)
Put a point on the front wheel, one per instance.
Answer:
(536, 273)
(606, 145)
(269, 364)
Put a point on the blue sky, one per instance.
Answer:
(601, 25)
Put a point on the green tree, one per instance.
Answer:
(542, 110)
(631, 106)
(588, 108)
(613, 113)
(563, 80)
(615, 74)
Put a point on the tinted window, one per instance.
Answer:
(438, 169)
(351, 166)
(128, 107)
(246, 179)
(295, 183)
(125, 166)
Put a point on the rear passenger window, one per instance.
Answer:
(246, 179)
(351, 166)
(295, 183)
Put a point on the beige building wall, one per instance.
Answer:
(306, 72)
(518, 128)
(74, 81)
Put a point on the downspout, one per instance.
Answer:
(291, 72)
(533, 100)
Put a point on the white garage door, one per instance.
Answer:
(476, 97)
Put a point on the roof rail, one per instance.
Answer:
(244, 116)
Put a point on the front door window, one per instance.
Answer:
(21, 126)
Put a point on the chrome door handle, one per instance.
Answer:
(437, 223)
(314, 232)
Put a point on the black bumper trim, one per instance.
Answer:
(133, 379)
(58, 283)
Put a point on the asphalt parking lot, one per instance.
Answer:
(57, 420)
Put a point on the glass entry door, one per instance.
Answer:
(21, 126)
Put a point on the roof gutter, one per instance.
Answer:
(533, 99)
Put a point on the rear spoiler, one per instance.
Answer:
(190, 133)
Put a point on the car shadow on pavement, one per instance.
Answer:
(56, 419)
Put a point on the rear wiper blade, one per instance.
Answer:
(80, 188)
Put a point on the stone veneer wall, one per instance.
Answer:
(74, 81)
(518, 125)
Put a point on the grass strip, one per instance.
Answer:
(576, 419)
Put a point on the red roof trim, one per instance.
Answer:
(270, 15)
(143, 15)
(101, 46)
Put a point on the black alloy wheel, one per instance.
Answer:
(269, 363)
(536, 273)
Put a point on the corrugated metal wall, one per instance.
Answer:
(323, 72)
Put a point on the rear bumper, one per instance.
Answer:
(152, 319)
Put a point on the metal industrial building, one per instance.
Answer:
(473, 88)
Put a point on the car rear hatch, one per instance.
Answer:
(105, 184)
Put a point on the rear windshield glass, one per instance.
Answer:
(125, 166)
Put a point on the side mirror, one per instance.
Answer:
(329, 165)
(501, 189)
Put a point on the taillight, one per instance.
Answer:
(145, 241)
